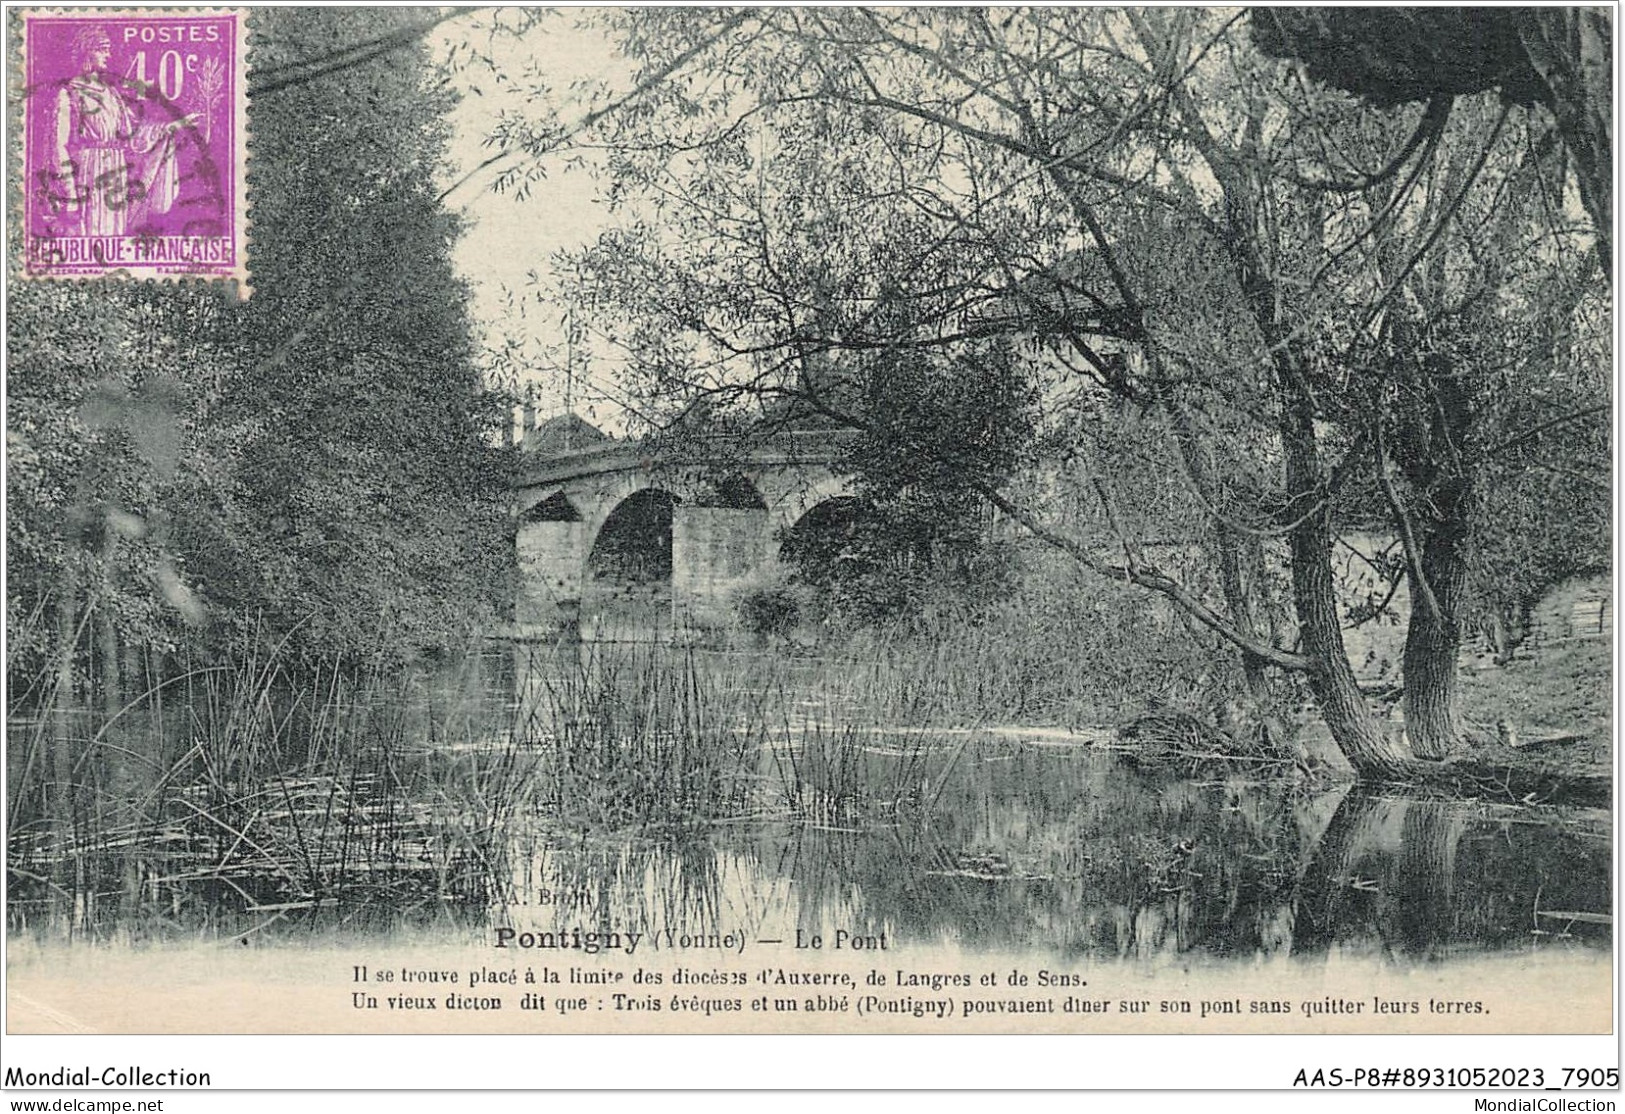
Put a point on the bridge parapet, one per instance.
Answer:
(787, 448)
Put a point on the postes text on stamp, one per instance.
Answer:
(134, 147)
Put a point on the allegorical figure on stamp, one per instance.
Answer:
(112, 167)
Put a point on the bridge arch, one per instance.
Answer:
(627, 560)
(557, 507)
(825, 531)
(528, 499)
(796, 500)
(633, 539)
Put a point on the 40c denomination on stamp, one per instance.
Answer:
(134, 143)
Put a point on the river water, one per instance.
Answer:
(807, 839)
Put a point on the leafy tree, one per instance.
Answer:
(1556, 57)
(111, 394)
(316, 461)
(932, 433)
(1277, 277)
(371, 489)
(1546, 512)
(189, 472)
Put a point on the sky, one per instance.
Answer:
(509, 242)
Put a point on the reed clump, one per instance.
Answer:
(646, 736)
(258, 790)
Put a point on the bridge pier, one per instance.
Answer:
(713, 549)
(552, 563)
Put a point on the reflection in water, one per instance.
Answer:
(979, 842)
(1068, 852)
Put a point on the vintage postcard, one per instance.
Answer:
(134, 142)
(1081, 522)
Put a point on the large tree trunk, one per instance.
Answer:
(1433, 644)
(1436, 529)
(1371, 752)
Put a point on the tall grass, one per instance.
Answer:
(646, 736)
(643, 735)
(257, 789)
(1056, 652)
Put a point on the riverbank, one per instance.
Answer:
(1557, 700)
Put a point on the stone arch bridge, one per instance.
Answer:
(616, 540)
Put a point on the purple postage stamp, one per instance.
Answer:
(134, 145)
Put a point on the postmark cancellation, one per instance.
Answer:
(134, 148)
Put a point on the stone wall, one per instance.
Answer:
(550, 566)
(713, 549)
(1582, 607)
